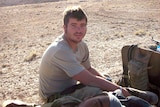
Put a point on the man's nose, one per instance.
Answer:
(79, 29)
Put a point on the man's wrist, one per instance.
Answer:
(120, 87)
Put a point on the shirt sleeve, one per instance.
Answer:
(67, 61)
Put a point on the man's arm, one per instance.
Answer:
(93, 71)
(88, 78)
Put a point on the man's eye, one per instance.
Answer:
(82, 26)
(73, 26)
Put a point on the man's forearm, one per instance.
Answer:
(93, 71)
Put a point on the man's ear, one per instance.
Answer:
(64, 27)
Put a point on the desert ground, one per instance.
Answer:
(27, 29)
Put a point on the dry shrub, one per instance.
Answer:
(118, 35)
(140, 33)
(31, 56)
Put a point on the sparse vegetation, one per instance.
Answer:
(118, 35)
(140, 33)
(32, 55)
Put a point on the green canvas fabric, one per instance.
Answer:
(73, 99)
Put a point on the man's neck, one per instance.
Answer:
(72, 44)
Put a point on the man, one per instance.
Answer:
(66, 62)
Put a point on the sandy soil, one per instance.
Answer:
(26, 30)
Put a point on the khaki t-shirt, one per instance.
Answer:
(59, 64)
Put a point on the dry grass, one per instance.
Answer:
(140, 33)
(32, 55)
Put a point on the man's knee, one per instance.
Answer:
(114, 101)
(98, 101)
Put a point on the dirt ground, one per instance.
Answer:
(26, 30)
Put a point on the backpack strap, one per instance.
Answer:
(125, 68)
(130, 52)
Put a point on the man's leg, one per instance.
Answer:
(114, 101)
(96, 97)
(133, 101)
(148, 96)
(108, 100)
(98, 101)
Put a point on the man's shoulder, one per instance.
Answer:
(60, 43)
(83, 45)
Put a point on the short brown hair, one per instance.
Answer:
(74, 12)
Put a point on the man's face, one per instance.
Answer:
(75, 30)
